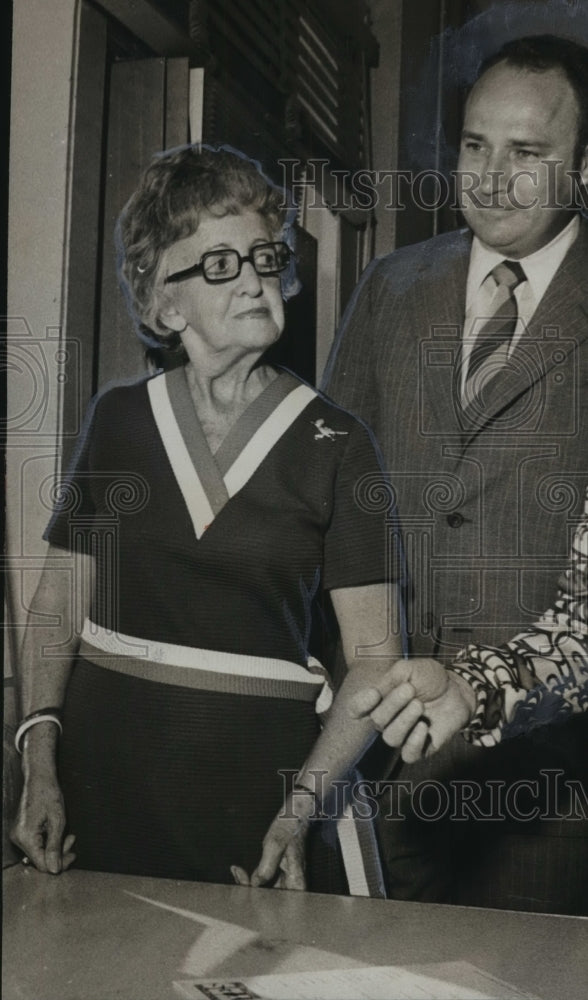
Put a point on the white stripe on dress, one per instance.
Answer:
(192, 490)
(266, 437)
(119, 644)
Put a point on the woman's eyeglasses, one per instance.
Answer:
(217, 266)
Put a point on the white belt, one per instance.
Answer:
(240, 664)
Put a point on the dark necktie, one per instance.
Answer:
(499, 328)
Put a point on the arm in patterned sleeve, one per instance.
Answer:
(541, 676)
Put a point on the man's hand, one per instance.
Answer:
(40, 824)
(418, 706)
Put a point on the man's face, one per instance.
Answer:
(517, 125)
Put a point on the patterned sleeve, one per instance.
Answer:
(552, 655)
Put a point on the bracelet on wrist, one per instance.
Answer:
(34, 718)
(317, 813)
(48, 710)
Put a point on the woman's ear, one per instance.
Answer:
(169, 316)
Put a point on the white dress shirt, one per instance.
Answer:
(539, 267)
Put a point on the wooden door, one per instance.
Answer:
(148, 111)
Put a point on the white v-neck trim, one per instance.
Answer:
(266, 437)
(188, 480)
(245, 465)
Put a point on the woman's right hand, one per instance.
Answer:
(40, 825)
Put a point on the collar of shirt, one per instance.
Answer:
(539, 267)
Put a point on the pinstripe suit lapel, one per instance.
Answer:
(559, 325)
(564, 306)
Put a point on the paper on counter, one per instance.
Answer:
(444, 981)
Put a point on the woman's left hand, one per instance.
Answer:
(284, 848)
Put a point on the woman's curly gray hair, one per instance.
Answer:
(174, 191)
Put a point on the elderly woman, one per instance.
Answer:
(168, 712)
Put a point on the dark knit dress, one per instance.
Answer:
(174, 760)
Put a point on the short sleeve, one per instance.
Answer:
(361, 543)
(74, 493)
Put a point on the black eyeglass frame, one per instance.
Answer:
(198, 268)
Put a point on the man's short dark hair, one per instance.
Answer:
(539, 53)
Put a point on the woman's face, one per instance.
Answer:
(241, 316)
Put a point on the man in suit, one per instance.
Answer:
(468, 356)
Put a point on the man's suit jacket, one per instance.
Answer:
(487, 506)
